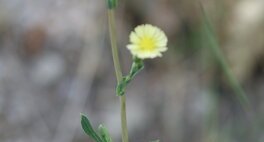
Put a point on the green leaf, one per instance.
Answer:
(88, 129)
(112, 4)
(121, 87)
(137, 66)
(104, 133)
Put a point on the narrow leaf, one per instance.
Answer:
(88, 129)
(137, 66)
(104, 133)
(111, 4)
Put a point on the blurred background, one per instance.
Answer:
(55, 62)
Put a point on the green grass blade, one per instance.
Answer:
(215, 49)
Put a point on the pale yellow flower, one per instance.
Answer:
(147, 41)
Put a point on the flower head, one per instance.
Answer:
(147, 41)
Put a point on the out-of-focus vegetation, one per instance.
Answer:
(55, 62)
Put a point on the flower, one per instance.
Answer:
(147, 41)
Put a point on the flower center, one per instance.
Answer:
(147, 43)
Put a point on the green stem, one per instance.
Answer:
(123, 118)
(112, 32)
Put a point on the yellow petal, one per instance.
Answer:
(147, 41)
(133, 37)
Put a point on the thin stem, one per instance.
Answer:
(112, 31)
(123, 118)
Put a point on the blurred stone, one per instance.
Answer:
(34, 41)
(245, 37)
(48, 69)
